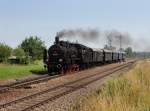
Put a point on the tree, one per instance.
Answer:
(19, 52)
(20, 55)
(5, 52)
(33, 47)
(129, 52)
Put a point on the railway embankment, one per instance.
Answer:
(59, 93)
(130, 92)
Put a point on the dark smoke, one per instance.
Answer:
(114, 37)
(89, 34)
(95, 37)
(125, 39)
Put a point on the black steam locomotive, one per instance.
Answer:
(64, 56)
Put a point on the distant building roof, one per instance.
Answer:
(12, 57)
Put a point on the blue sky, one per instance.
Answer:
(22, 18)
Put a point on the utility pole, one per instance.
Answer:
(110, 42)
(109, 38)
(120, 40)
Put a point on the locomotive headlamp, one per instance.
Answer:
(60, 60)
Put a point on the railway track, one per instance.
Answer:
(27, 82)
(40, 98)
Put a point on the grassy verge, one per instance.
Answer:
(8, 71)
(128, 93)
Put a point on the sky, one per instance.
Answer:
(23, 18)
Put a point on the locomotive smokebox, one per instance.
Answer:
(57, 40)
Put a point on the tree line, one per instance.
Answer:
(29, 50)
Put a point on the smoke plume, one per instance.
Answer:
(89, 34)
(116, 38)
(96, 38)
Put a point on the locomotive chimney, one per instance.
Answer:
(57, 40)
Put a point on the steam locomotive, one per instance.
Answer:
(64, 56)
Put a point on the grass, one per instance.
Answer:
(8, 71)
(130, 92)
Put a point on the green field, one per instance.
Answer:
(8, 71)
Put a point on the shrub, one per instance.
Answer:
(5, 52)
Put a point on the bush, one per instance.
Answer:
(19, 52)
(33, 47)
(5, 52)
(20, 55)
(25, 60)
